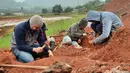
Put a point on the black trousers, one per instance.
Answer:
(98, 29)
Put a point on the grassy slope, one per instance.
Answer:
(53, 28)
(5, 41)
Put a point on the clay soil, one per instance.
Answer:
(90, 59)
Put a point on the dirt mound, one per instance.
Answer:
(118, 48)
(5, 57)
(126, 21)
(85, 42)
(117, 6)
(121, 8)
(88, 59)
(92, 58)
(70, 51)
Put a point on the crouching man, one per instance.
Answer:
(75, 34)
(103, 24)
(27, 40)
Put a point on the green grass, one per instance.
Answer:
(57, 26)
(26, 16)
(53, 28)
(5, 41)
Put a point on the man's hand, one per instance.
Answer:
(50, 53)
(38, 50)
(79, 41)
(91, 42)
(47, 42)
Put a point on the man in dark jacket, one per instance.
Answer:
(24, 40)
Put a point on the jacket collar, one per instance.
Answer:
(27, 25)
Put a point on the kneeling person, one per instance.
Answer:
(103, 24)
(27, 40)
(75, 34)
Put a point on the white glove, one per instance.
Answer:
(84, 34)
(50, 38)
(50, 53)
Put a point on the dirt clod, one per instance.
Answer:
(5, 60)
(59, 67)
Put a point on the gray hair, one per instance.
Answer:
(36, 20)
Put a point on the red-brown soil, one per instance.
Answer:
(92, 58)
(117, 49)
(97, 58)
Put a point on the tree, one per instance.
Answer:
(57, 9)
(44, 10)
(93, 5)
(80, 8)
(21, 8)
(68, 9)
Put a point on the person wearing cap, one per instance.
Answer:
(103, 24)
(24, 40)
(75, 34)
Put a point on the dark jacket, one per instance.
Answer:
(23, 37)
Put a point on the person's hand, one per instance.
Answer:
(91, 37)
(47, 42)
(84, 34)
(79, 41)
(50, 53)
(38, 50)
(91, 42)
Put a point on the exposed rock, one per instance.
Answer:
(118, 69)
(59, 67)
(3, 70)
